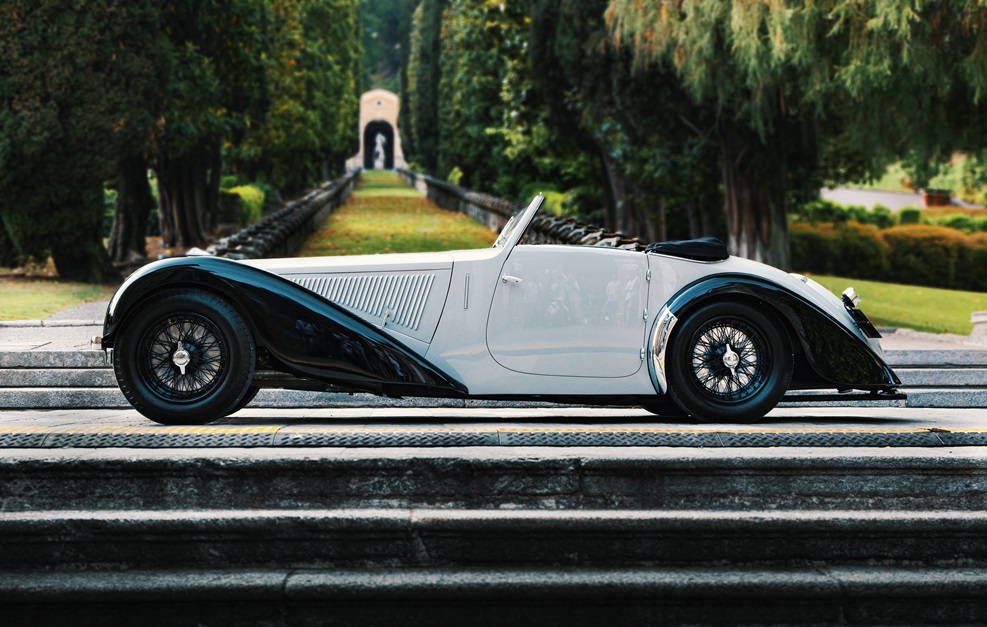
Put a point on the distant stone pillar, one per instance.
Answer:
(379, 111)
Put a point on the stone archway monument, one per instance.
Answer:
(380, 142)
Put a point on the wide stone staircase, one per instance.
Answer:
(581, 536)
(83, 379)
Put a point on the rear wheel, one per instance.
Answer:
(729, 362)
(187, 357)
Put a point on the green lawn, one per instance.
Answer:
(36, 299)
(380, 183)
(921, 308)
(385, 215)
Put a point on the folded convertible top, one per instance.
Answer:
(702, 249)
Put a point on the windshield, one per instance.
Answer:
(516, 220)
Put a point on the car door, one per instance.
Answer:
(570, 310)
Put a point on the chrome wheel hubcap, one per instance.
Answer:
(181, 358)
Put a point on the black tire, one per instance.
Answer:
(190, 328)
(665, 408)
(249, 396)
(705, 345)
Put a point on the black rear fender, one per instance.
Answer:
(827, 353)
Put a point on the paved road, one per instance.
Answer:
(444, 427)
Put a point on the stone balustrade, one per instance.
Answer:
(495, 212)
(283, 232)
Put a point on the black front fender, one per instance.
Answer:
(833, 355)
(303, 333)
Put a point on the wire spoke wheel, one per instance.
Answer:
(730, 360)
(182, 357)
(185, 357)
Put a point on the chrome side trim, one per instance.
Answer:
(659, 344)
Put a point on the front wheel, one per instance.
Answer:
(729, 362)
(186, 357)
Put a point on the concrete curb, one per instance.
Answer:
(21, 324)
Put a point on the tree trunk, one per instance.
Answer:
(83, 258)
(621, 214)
(188, 191)
(754, 196)
(127, 243)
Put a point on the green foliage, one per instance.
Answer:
(909, 215)
(228, 181)
(424, 75)
(974, 257)
(849, 249)
(959, 221)
(915, 254)
(813, 247)
(455, 176)
(384, 32)
(78, 82)
(815, 82)
(924, 255)
(822, 210)
(251, 203)
(313, 82)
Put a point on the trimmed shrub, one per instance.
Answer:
(881, 217)
(971, 275)
(909, 215)
(812, 246)
(251, 203)
(957, 221)
(819, 210)
(924, 254)
(861, 252)
(228, 181)
(852, 250)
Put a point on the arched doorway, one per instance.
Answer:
(378, 143)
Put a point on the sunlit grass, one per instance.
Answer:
(385, 215)
(371, 225)
(378, 183)
(36, 299)
(921, 308)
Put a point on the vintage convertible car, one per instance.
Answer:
(681, 329)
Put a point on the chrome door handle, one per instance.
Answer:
(510, 279)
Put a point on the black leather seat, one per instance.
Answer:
(702, 249)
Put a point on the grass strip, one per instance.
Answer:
(36, 299)
(928, 309)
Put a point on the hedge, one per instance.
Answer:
(935, 256)
(849, 249)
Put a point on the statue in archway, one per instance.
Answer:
(379, 151)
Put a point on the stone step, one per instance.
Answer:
(57, 378)
(942, 377)
(112, 398)
(422, 538)
(488, 596)
(479, 478)
(903, 359)
(103, 377)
